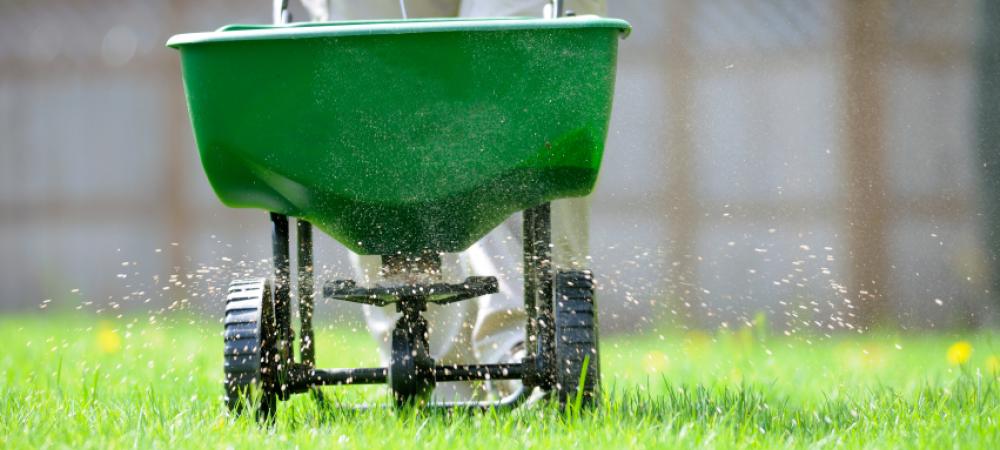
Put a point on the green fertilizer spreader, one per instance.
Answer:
(405, 139)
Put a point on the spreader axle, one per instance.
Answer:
(379, 375)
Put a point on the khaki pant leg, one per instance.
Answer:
(527, 8)
(388, 9)
(379, 9)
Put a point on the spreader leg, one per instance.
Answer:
(307, 349)
(282, 293)
(537, 223)
(307, 300)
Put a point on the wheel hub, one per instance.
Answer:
(411, 370)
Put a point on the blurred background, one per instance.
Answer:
(827, 165)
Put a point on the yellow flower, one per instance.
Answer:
(959, 353)
(872, 357)
(656, 361)
(108, 340)
(696, 343)
(993, 364)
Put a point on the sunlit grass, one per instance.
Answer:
(79, 382)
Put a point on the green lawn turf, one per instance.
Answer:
(80, 382)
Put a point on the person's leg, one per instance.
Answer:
(527, 8)
(386, 9)
(379, 9)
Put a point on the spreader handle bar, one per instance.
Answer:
(553, 9)
(279, 13)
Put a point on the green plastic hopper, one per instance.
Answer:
(407, 135)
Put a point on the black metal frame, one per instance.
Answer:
(412, 374)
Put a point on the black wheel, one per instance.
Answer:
(250, 348)
(411, 371)
(576, 338)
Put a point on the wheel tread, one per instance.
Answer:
(576, 336)
(245, 344)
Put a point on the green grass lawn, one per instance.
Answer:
(79, 382)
